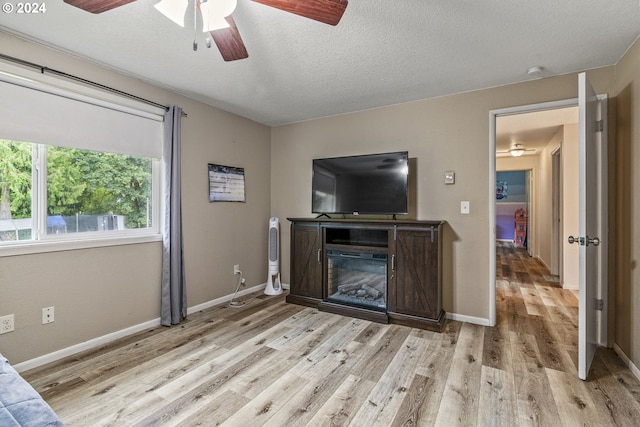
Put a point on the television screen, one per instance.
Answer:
(367, 184)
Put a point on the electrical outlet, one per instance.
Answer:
(7, 324)
(236, 269)
(47, 315)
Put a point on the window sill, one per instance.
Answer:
(71, 245)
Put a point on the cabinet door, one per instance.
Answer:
(417, 273)
(306, 260)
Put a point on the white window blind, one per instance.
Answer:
(34, 111)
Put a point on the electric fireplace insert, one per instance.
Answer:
(357, 278)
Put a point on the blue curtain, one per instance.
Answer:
(174, 295)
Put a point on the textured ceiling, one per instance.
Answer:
(381, 53)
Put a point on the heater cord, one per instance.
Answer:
(238, 304)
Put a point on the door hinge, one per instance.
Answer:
(599, 125)
(599, 305)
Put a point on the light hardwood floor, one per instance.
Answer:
(275, 364)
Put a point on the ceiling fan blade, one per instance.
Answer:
(229, 42)
(97, 6)
(327, 11)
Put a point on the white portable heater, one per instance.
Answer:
(274, 287)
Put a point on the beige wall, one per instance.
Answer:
(627, 203)
(101, 291)
(449, 133)
(570, 207)
(545, 198)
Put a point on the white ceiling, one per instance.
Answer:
(381, 53)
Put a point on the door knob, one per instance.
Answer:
(582, 241)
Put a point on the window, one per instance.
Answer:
(49, 192)
(74, 165)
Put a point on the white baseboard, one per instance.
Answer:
(543, 263)
(105, 339)
(224, 299)
(632, 367)
(77, 348)
(469, 319)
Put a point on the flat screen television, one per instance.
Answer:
(366, 184)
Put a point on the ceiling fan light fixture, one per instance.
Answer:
(516, 152)
(173, 9)
(214, 12)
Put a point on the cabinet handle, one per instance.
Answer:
(319, 252)
(393, 263)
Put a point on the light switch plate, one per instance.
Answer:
(449, 177)
(464, 208)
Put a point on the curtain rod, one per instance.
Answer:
(44, 69)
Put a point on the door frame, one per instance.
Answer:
(493, 114)
(532, 207)
(556, 213)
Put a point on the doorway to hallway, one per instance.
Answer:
(525, 138)
(590, 182)
(513, 207)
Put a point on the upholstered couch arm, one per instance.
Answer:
(20, 404)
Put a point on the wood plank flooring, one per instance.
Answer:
(276, 364)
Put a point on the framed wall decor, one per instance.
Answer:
(226, 183)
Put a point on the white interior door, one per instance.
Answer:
(592, 205)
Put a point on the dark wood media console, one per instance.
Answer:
(384, 271)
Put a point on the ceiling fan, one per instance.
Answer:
(517, 150)
(226, 35)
